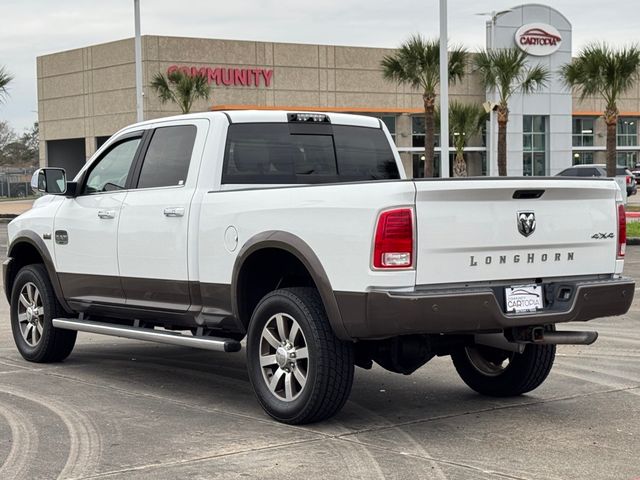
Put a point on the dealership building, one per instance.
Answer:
(87, 94)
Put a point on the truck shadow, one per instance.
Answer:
(219, 382)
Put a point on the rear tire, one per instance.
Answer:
(300, 371)
(485, 369)
(33, 306)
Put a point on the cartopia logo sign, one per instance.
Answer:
(538, 39)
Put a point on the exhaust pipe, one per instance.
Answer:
(540, 336)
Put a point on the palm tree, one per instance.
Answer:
(609, 73)
(506, 72)
(417, 64)
(465, 121)
(5, 78)
(181, 88)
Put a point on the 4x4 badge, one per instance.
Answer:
(526, 223)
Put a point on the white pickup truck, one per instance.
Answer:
(302, 232)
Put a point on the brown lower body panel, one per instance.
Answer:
(192, 303)
(380, 314)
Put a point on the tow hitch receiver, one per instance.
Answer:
(539, 335)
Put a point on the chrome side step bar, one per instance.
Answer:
(137, 333)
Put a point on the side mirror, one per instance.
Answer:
(50, 180)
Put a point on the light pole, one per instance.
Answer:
(138, 62)
(493, 157)
(444, 92)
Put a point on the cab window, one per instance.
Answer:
(111, 171)
(166, 162)
(272, 153)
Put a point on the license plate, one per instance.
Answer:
(523, 298)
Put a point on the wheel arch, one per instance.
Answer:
(278, 241)
(28, 248)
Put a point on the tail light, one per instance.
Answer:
(622, 230)
(628, 179)
(393, 243)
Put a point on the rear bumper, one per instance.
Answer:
(380, 314)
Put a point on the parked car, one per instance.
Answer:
(600, 170)
(302, 232)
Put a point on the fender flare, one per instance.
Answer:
(303, 252)
(27, 236)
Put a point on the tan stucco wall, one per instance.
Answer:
(86, 92)
(90, 92)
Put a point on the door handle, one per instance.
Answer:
(174, 212)
(106, 213)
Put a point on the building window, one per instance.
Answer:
(418, 164)
(390, 123)
(417, 133)
(101, 141)
(582, 158)
(627, 132)
(583, 131)
(627, 159)
(534, 157)
(627, 137)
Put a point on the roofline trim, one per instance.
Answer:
(217, 108)
(587, 113)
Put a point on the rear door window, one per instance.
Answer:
(167, 159)
(279, 154)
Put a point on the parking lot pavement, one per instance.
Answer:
(125, 409)
(15, 207)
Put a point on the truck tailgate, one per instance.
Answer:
(468, 230)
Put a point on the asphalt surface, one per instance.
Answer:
(127, 409)
(15, 207)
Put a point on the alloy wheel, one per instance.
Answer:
(284, 357)
(30, 314)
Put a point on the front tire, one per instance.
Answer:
(498, 373)
(300, 371)
(33, 306)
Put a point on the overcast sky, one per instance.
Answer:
(34, 27)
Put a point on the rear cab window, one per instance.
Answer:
(282, 153)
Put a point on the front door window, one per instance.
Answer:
(111, 171)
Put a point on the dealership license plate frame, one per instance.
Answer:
(523, 298)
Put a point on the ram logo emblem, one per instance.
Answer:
(526, 223)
